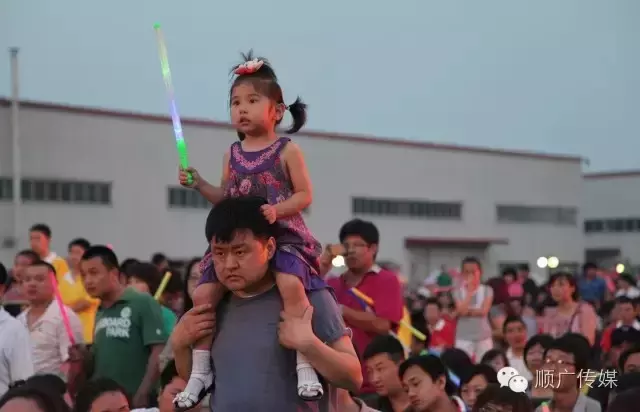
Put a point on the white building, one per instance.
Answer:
(112, 177)
(612, 218)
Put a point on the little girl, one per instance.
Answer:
(262, 164)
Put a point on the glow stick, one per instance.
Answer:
(63, 310)
(181, 145)
(415, 332)
(163, 285)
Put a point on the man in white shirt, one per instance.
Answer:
(50, 340)
(15, 353)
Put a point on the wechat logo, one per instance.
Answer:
(509, 377)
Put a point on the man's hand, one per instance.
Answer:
(140, 399)
(296, 333)
(194, 325)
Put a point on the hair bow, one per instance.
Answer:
(249, 67)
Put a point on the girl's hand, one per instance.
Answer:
(269, 212)
(183, 177)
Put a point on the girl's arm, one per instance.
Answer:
(210, 192)
(302, 192)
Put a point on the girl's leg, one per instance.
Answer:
(201, 377)
(296, 302)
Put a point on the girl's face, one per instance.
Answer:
(193, 277)
(470, 391)
(534, 358)
(471, 273)
(253, 113)
(497, 363)
(561, 290)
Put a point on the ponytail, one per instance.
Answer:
(298, 110)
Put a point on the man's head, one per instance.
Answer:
(622, 339)
(626, 310)
(160, 261)
(471, 270)
(432, 311)
(242, 242)
(37, 283)
(23, 260)
(100, 271)
(40, 238)
(630, 360)
(171, 384)
(425, 380)
(145, 278)
(76, 249)
(515, 332)
(360, 239)
(590, 270)
(565, 357)
(382, 357)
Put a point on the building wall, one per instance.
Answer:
(612, 215)
(138, 157)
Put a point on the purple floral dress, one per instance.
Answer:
(262, 174)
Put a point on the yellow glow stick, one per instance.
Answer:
(163, 285)
(415, 332)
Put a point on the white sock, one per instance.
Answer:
(201, 378)
(309, 386)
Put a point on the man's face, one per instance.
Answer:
(383, 374)
(422, 390)
(75, 255)
(626, 312)
(20, 263)
(516, 335)
(591, 272)
(39, 243)
(36, 283)
(169, 392)
(98, 280)
(242, 262)
(471, 273)
(632, 363)
(360, 255)
(564, 369)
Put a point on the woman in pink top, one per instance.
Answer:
(570, 314)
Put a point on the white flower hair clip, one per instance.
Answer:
(249, 67)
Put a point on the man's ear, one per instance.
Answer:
(271, 247)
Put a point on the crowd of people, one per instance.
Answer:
(260, 324)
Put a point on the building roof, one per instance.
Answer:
(412, 144)
(612, 174)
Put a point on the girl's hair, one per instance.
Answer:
(492, 354)
(485, 371)
(93, 390)
(541, 339)
(495, 398)
(265, 82)
(47, 400)
(186, 299)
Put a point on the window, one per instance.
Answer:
(537, 214)
(612, 225)
(416, 209)
(59, 191)
(6, 189)
(182, 198)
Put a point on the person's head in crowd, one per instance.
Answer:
(40, 239)
(145, 278)
(420, 324)
(101, 272)
(52, 383)
(125, 269)
(626, 401)
(32, 398)
(626, 310)
(173, 296)
(629, 360)
(624, 383)
(509, 275)
(523, 271)
(4, 278)
(360, 238)
(590, 270)
(76, 249)
(432, 311)
(171, 384)
(563, 288)
(502, 399)
(192, 278)
(515, 306)
(382, 357)
(471, 269)
(534, 351)
(425, 381)
(242, 243)
(622, 339)
(625, 281)
(23, 259)
(474, 381)
(160, 261)
(515, 333)
(102, 395)
(565, 359)
(495, 358)
(37, 285)
(456, 360)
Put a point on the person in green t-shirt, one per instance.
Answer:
(129, 331)
(146, 278)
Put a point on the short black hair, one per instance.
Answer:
(626, 354)
(80, 242)
(168, 373)
(50, 382)
(485, 371)
(512, 319)
(28, 253)
(623, 335)
(569, 344)
(238, 213)
(363, 228)
(542, 339)
(46, 399)
(456, 360)
(149, 274)
(127, 265)
(473, 260)
(510, 271)
(431, 365)
(503, 396)
(524, 267)
(92, 390)
(46, 264)
(621, 300)
(41, 228)
(384, 344)
(627, 381)
(589, 265)
(158, 258)
(433, 301)
(106, 255)
(4, 275)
